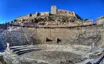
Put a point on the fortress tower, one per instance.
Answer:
(53, 10)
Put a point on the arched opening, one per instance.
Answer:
(48, 40)
(58, 40)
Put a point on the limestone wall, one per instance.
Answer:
(85, 35)
(77, 35)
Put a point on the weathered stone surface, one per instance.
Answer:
(50, 57)
(76, 35)
(51, 54)
(2, 60)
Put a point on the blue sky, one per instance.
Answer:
(11, 9)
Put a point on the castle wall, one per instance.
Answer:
(44, 13)
(100, 21)
(23, 17)
(28, 16)
(65, 12)
(34, 15)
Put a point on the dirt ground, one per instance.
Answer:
(53, 57)
(50, 55)
(56, 54)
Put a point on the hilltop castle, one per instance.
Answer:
(55, 17)
(54, 10)
(64, 17)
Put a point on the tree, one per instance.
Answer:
(15, 20)
(11, 21)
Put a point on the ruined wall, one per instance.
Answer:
(85, 35)
(76, 35)
(42, 34)
(29, 16)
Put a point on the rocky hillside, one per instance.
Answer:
(51, 20)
